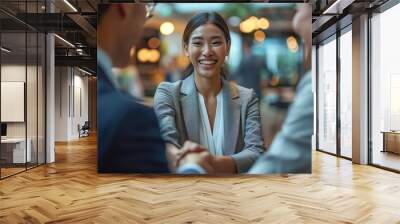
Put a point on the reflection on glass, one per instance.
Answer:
(327, 97)
(23, 91)
(31, 101)
(13, 87)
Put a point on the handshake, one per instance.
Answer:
(190, 153)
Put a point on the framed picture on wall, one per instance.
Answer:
(12, 101)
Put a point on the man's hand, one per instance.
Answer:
(189, 147)
(190, 153)
(194, 153)
(175, 155)
(203, 159)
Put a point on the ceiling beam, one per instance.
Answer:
(77, 61)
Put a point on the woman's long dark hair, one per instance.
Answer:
(199, 20)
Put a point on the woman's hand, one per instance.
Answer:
(194, 153)
(224, 165)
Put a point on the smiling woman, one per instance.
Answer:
(206, 108)
(209, 31)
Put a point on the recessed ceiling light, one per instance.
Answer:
(5, 50)
(64, 40)
(84, 71)
(70, 5)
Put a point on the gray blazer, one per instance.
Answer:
(177, 108)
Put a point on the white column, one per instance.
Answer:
(360, 90)
(314, 90)
(50, 93)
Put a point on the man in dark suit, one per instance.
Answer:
(129, 138)
(290, 151)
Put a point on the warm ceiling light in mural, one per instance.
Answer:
(167, 28)
(253, 23)
(154, 56)
(292, 44)
(142, 55)
(263, 23)
(70, 5)
(5, 50)
(245, 27)
(154, 42)
(64, 40)
(259, 36)
(148, 55)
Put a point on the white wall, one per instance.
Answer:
(71, 94)
(61, 103)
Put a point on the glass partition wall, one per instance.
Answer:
(22, 77)
(334, 107)
(385, 89)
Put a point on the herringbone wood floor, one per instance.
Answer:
(70, 191)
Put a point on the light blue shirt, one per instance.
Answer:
(190, 169)
(290, 151)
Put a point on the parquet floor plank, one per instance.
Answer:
(71, 191)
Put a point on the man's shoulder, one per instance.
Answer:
(123, 103)
(131, 105)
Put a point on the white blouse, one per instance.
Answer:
(213, 140)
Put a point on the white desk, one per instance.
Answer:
(18, 144)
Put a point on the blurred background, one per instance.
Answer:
(266, 55)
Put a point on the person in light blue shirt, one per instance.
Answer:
(290, 151)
